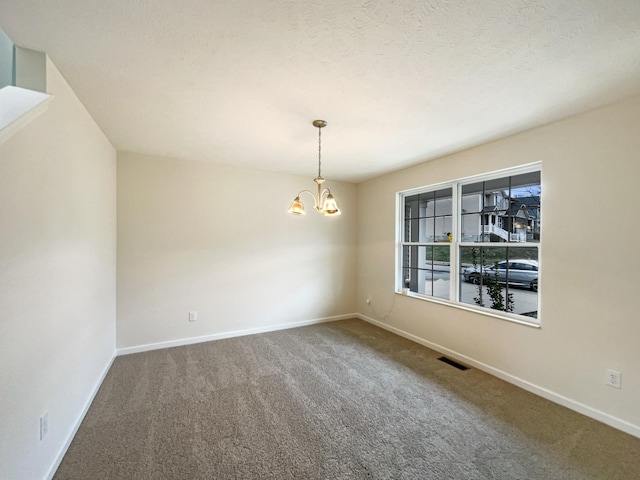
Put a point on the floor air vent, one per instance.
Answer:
(453, 363)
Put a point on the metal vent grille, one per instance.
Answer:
(453, 363)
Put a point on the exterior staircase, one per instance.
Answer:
(503, 234)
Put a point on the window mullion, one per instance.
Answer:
(454, 270)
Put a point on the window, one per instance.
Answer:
(427, 225)
(474, 243)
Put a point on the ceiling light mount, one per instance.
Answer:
(324, 204)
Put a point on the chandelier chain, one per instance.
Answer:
(319, 151)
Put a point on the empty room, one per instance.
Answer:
(319, 240)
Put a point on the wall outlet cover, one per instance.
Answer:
(613, 378)
(44, 425)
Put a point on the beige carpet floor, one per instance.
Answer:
(342, 400)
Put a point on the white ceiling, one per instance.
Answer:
(399, 82)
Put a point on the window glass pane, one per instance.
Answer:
(500, 278)
(419, 230)
(428, 216)
(442, 200)
(442, 211)
(471, 188)
(524, 213)
(497, 185)
(426, 269)
(406, 278)
(444, 228)
(427, 204)
(471, 226)
(410, 266)
(427, 230)
(439, 262)
(406, 231)
(502, 210)
(411, 206)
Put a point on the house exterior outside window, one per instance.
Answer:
(474, 243)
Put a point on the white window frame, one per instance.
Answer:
(456, 243)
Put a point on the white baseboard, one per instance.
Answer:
(528, 386)
(78, 422)
(231, 334)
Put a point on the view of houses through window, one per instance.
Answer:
(474, 242)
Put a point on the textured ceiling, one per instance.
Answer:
(399, 82)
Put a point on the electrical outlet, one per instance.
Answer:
(613, 378)
(44, 425)
(368, 300)
(193, 316)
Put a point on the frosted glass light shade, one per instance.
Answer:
(330, 206)
(297, 208)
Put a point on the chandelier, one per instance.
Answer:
(324, 202)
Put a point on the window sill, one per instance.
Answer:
(519, 319)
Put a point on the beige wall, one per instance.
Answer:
(57, 278)
(195, 236)
(217, 240)
(590, 263)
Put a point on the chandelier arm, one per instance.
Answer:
(316, 201)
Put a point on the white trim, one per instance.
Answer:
(510, 317)
(74, 430)
(231, 334)
(20, 107)
(399, 281)
(569, 403)
(525, 168)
